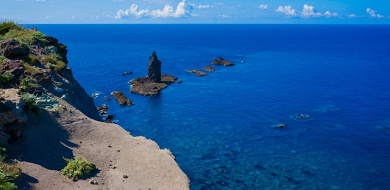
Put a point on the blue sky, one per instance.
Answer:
(196, 11)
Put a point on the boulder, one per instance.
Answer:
(11, 48)
(221, 61)
(110, 117)
(121, 98)
(154, 70)
(14, 66)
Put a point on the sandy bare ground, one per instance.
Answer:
(69, 133)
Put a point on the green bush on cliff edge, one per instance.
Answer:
(78, 168)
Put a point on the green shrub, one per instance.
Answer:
(31, 103)
(6, 26)
(53, 62)
(34, 59)
(50, 59)
(8, 172)
(6, 77)
(78, 168)
(60, 65)
(31, 69)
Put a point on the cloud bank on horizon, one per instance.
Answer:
(200, 11)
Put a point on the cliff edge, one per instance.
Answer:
(55, 118)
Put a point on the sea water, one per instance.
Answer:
(222, 128)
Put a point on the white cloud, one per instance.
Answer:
(183, 9)
(328, 14)
(309, 11)
(373, 13)
(352, 16)
(287, 10)
(262, 6)
(224, 16)
(203, 6)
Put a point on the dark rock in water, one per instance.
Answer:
(11, 48)
(197, 72)
(110, 117)
(221, 61)
(144, 86)
(179, 81)
(127, 73)
(102, 108)
(154, 70)
(14, 66)
(282, 125)
(107, 98)
(209, 68)
(121, 98)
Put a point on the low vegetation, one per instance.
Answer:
(6, 26)
(53, 62)
(8, 172)
(78, 168)
(6, 77)
(31, 103)
(31, 69)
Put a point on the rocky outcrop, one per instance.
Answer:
(209, 68)
(11, 48)
(154, 82)
(14, 66)
(12, 118)
(221, 61)
(197, 72)
(121, 98)
(154, 70)
(143, 86)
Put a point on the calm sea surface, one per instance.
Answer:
(222, 127)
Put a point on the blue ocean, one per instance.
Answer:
(330, 84)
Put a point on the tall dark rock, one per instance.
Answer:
(154, 70)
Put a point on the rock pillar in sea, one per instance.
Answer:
(154, 70)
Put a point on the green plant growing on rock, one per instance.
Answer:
(31, 69)
(33, 59)
(1, 59)
(31, 103)
(6, 77)
(78, 168)
(6, 26)
(8, 172)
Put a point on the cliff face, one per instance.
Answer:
(51, 117)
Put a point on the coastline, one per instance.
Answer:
(61, 121)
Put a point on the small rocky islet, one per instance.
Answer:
(210, 68)
(154, 82)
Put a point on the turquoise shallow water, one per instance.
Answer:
(221, 127)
